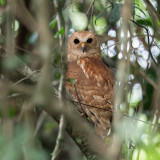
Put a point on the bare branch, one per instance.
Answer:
(60, 139)
(23, 15)
(154, 15)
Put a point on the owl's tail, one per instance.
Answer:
(103, 123)
(101, 119)
(101, 130)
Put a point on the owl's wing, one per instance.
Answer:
(95, 69)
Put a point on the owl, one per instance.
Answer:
(93, 87)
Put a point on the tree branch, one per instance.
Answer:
(60, 139)
(153, 14)
(83, 134)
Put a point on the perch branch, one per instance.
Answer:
(83, 135)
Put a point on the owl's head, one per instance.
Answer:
(82, 44)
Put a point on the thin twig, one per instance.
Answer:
(149, 45)
(40, 121)
(110, 110)
(147, 78)
(61, 94)
(155, 16)
(60, 139)
(92, 4)
(23, 79)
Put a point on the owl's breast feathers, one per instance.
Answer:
(93, 89)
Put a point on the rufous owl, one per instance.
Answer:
(93, 86)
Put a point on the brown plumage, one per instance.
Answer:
(94, 81)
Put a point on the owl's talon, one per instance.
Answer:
(82, 114)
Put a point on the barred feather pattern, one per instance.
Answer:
(93, 88)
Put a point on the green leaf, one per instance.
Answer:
(49, 126)
(144, 22)
(84, 158)
(140, 10)
(115, 13)
(60, 32)
(71, 80)
(1, 40)
(58, 75)
(78, 140)
(79, 20)
(100, 25)
(88, 118)
(2, 2)
(158, 23)
(12, 112)
(52, 24)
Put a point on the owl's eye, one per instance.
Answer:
(76, 41)
(89, 40)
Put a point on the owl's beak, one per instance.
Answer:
(83, 47)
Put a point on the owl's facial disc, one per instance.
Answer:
(82, 44)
